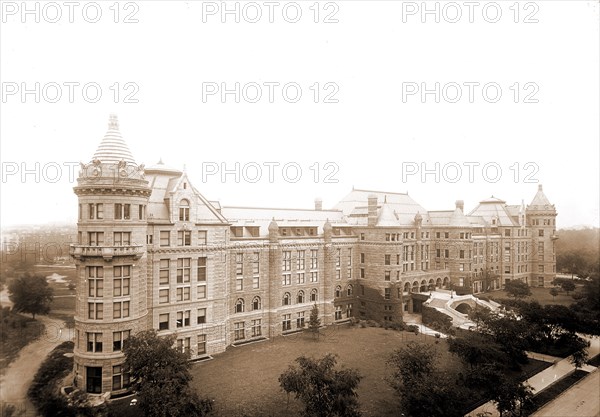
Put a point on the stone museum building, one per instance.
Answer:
(154, 253)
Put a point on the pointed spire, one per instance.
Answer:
(540, 198)
(112, 148)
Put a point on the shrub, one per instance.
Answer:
(412, 328)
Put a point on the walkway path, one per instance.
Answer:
(548, 376)
(19, 373)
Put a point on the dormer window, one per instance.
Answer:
(184, 211)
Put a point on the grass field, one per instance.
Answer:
(542, 295)
(16, 331)
(243, 381)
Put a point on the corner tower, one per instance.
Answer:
(110, 257)
(541, 219)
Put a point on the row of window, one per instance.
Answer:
(121, 211)
(182, 319)
(286, 278)
(183, 269)
(120, 310)
(184, 238)
(97, 239)
(94, 341)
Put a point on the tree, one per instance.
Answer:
(567, 286)
(517, 289)
(30, 294)
(161, 377)
(476, 349)
(424, 391)
(512, 397)
(553, 293)
(314, 322)
(323, 390)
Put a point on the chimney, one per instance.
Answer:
(318, 204)
(460, 204)
(372, 212)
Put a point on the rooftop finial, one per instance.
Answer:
(539, 187)
(113, 122)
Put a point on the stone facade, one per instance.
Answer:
(154, 253)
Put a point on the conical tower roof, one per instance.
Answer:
(540, 198)
(113, 148)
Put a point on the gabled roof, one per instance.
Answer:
(112, 148)
(494, 208)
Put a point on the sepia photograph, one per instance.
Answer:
(312, 208)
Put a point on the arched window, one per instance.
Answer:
(287, 299)
(314, 295)
(256, 303)
(300, 297)
(239, 305)
(415, 286)
(407, 287)
(349, 289)
(338, 291)
(184, 210)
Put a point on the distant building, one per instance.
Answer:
(154, 253)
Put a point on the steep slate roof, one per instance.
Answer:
(403, 207)
(262, 217)
(495, 208)
(113, 148)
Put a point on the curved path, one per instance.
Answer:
(17, 377)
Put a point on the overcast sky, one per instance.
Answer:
(517, 100)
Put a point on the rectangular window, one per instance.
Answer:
(541, 233)
(287, 260)
(300, 264)
(95, 281)
(165, 238)
(163, 296)
(300, 278)
(95, 238)
(119, 338)
(286, 279)
(286, 323)
(183, 270)
(94, 342)
(201, 344)
(507, 232)
(541, 268)
(163, 321)
(461, 254)
(314, 276)
(202, 269)
(201, 316)
(256, 328)
(95, 311)
(201, 291)
(120, 379)
(387, 259)
(300, 320)
(149, 239)
(141, 212)
(184, 238)
(183, 318)
(387, 293)
(256, 263)
(239, 264)
(362, 236)
(122, 238)
(362, 258)
(183, 345)
(164, 272)
(121, 280)
(314, 258)
(202, 237)
(238, 331)
(387, 275)
(184, 214)
(122, 211)
(362, 272)
(96, 211)
(183, 294)
(338, 258)
(239, 283)
(120, 309)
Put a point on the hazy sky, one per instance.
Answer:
(517, 100)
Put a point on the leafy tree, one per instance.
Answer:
(30, 294)
(512, 397)
(314, 322)
(476, 349)
(161, 377)
(553, 293)
(424, 391)
(517, 289)
(567, 286)
(323, 390)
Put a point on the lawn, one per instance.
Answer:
(16, 331)
(243, 381)
(542, 295)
